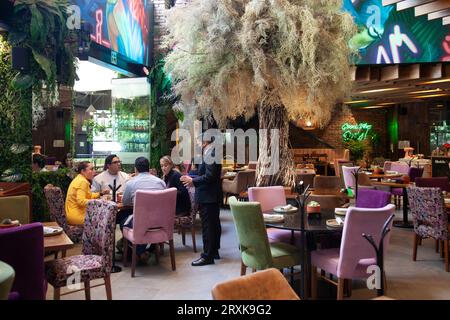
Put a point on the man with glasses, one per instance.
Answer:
(111, 172)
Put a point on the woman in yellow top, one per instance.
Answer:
(79, 194)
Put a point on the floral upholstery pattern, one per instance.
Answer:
(96, 258)
(188, 220)
(428, 212)
(55, 203)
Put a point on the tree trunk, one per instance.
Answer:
(271, 173)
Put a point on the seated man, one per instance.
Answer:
(143, 180)
(111, 172)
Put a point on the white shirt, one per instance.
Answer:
(103, 180)
(143, 181)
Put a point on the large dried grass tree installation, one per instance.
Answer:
(287, 59)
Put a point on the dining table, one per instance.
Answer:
(58, 242)
(314, 225)
(381, 176)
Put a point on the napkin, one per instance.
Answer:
(50, 230)
(287, 208)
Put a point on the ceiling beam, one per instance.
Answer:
(406, 4)
(439, 14)
(431, 7)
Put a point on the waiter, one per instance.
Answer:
(208, 195)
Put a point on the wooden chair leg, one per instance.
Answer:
(56, 255)
(87, 290)
(348, 287)
(63, 254)
(385, 283)
(125, 252)
(172, 254)
(161, 248)
(314, 282)
(183, 236)
(243, 268)
(133, 260)
(56, 293)
(157, 253)
(442, 248)
(420, 241)
(446, 255)
(437, 246)
(340, 289)
(108, 287)
(194, 245)
(415, 244)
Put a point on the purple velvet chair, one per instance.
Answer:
(356, 254)
(23, 249)
(368, 198)
(438, 182)
(270, 197)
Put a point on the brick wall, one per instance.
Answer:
(332, 133)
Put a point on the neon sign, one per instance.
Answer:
(357, 131)
(396, 40)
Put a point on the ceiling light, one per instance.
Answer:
(426, 91)
(374, 107)
(431, 96)
(436, 81)
(379, 90)
(356, 101)
(387, 104)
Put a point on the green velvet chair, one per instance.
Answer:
(6, 280)
(256, 252)
(15, 208)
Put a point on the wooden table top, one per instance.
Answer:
(384, 176)
(330, 192)
(59, 242)
(392, 184)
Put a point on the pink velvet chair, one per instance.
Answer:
(153, 222)
(356, 254)
(402, 168)
(270, 197)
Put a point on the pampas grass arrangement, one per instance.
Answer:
(230, 57)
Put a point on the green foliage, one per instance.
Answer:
(15, 122)
(60, 178)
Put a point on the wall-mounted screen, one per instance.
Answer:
(386, 35)
(123, 26)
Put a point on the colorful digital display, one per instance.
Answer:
(119, 25)
(387, 36)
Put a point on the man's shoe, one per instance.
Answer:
(202, 262)
(216, 256)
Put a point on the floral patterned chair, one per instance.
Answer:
(55, 203)
(188, 222)
(96, 259)
(430, 218)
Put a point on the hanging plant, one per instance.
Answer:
(40, 26)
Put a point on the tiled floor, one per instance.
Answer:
(423, 279)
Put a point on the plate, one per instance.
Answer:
(285, 209)
(14, 223)
(273, 217)
(340, 211)
(332, 223)
(447, 200)
(52, 231)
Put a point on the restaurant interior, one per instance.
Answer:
(358, 209)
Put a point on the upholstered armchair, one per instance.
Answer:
(15, 208)
(55, 203)
(269, 284)
(239, 184)
(95, 260)
(430, 218)
(187, 222)
(256, 252)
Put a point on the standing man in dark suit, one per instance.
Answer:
(208, 195)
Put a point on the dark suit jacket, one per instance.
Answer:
(183, 200)
(208, 185)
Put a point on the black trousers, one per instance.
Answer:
(211, 229)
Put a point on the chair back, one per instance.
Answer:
(55, 203)
(349, 176)
(324, 182)
(428, 212)
(438, 182)
(252, 234)
(342, 163)
(307, 178)
(354, 247)
(15, 208)
(400, 166)
(414, 173)
(252, 165)
(370, 198)
(154, 215)
(251, 178)
(99, 228)
(268, 197)
(23, 249)
(267, 284)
